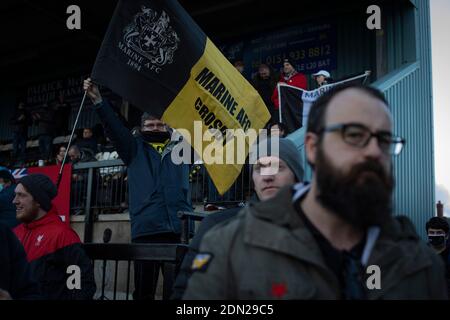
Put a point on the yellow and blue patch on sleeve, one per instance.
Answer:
(201, 261)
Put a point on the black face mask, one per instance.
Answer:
(437, 241)
(155, 136)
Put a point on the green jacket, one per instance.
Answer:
(266, 252)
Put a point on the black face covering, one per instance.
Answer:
(436, 240)
(155, 136)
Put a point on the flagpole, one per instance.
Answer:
(367, 73)
(58, 181)
(279, 104)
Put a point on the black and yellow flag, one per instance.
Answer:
(156, 57)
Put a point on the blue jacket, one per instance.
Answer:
(15, 272)
(157, 187)
(7, 208)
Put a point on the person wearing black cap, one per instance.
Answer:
(51, 245)
(7, 208)
(265, 81)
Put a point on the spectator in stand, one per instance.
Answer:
(16, 281)
(239, 65)
(45, 118)
(277, 129)
(50, 244)
(320, 241)
(88, 141)
(108, 146)
(77, 154)
(438, 234)
(265, 82)
(158, 187)
(266, 181)
(20, 121)
(7, 208)
(60, 155)
(322, 78)
(291, 77)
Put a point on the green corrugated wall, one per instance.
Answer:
(408, 88)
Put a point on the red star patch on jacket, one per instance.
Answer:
(279, 290)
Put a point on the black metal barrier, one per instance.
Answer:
(101, 187)
(170, 255)
(88, 190)
(185, 217)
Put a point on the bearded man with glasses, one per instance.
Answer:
(335, 238)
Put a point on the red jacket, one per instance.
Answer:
(51, 247)
(45, 236)
(297, 80)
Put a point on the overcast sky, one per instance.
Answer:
(440, 28)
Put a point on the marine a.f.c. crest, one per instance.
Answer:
(151, 36)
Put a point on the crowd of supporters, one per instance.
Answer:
(305, 239)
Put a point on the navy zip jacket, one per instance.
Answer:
(7, 208)
(15, 272)
(158, 188)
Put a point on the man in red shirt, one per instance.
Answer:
(291, 77)
(51, 246)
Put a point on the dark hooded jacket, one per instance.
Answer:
(15, 272)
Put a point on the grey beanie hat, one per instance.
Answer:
(41, 188)
(286, 152)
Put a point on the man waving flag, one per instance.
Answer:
(156, 57)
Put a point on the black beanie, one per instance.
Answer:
(41, 188)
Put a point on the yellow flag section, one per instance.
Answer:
(219, 97)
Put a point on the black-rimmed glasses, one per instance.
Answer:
(358, 135)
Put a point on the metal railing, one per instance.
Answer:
(186, 217)
(117, 284)
(102, 184)
(203, 190)
(92, 187)
(101, 187)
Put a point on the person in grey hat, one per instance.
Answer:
(276, 166)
